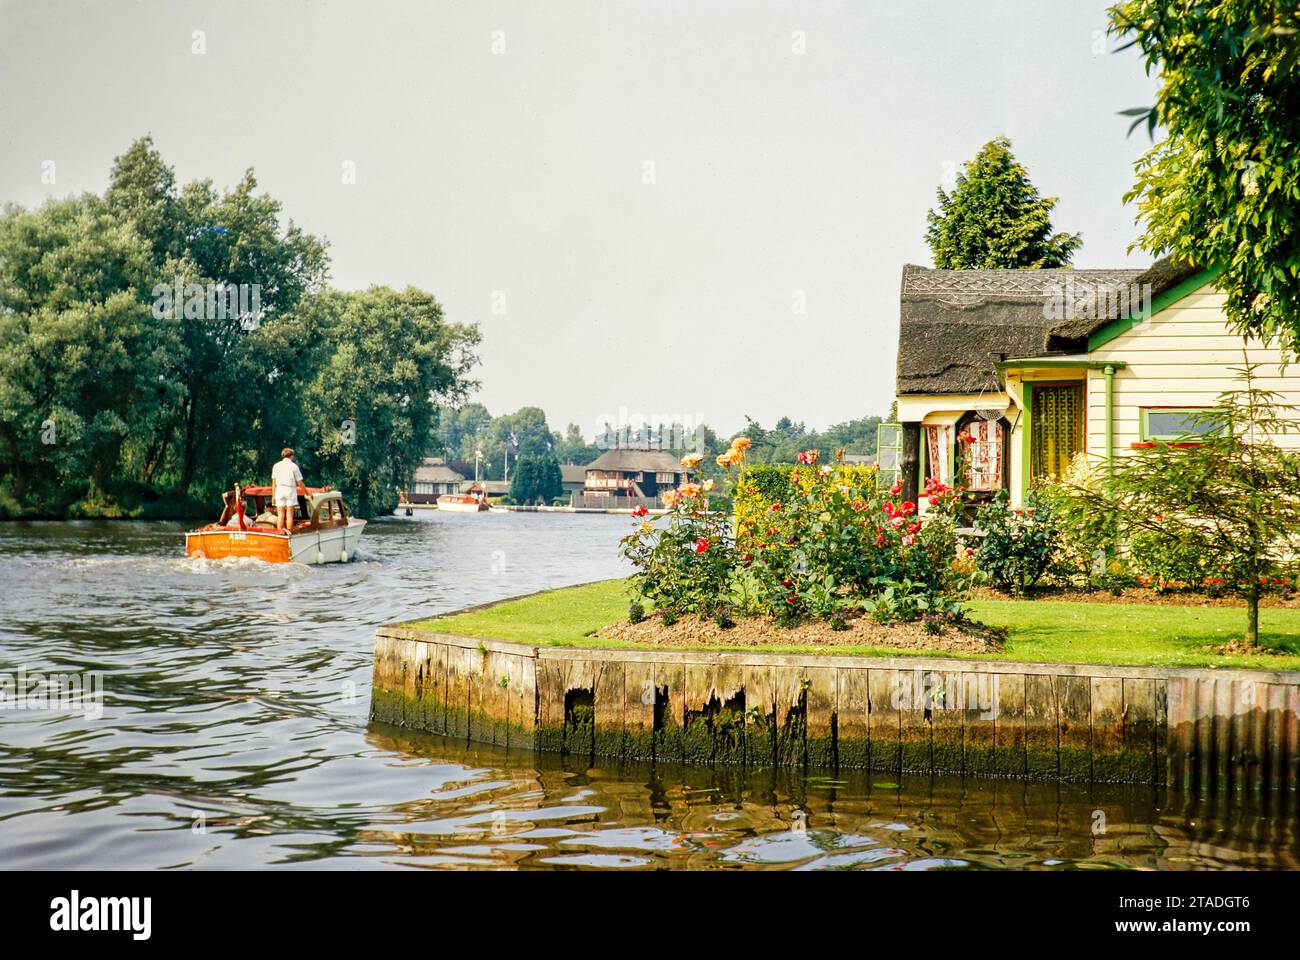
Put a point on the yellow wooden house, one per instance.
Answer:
(1004, 376)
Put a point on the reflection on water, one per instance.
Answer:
(235, 734)
(524, 811)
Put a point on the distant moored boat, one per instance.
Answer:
(462, 503)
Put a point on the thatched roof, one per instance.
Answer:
(955, 325)
(435, 470)
(638, 461)
(1072, 335)
(573, 473)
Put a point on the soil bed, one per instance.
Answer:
(966, 637)
(1137, 595)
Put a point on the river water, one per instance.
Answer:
(234, 732)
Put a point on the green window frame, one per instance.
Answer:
(1160, 432)
(889, 452)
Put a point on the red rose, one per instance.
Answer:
(701, 545)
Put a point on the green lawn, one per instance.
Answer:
(1042, 630)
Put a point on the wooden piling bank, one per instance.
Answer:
(1199, 730)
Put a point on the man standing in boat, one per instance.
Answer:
(285, 479)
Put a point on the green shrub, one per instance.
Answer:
(1166, 563)
(1086, 549)
(1019, 544)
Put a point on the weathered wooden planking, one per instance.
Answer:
(523, 703)
(1106, 720)
(1009, 726)
(915, 688)
(638, 710)
(1180, 732)
(979, 722)
(1138, 757)
(607, 737)
(495, 702)
(853, 727)
(821, 705)
(1230, 731)
(760, 715)
(947, 722)
(1074, 719)
(670, 679)
(790, 687)
(729, 723)
(884, 719)
(1206, 736)
(1244, 760)
(433, 712)
(550, 705)
(460, 665)
(578, 681)
(701, 690)
(1042, 759)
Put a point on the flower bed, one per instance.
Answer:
(822, 544)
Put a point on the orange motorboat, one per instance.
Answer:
(322, 531)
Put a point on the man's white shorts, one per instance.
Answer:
(286, 498)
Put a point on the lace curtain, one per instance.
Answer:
(1055, 429)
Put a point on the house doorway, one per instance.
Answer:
(1055, 428)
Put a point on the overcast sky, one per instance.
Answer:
(698, 208)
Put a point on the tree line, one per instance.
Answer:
(160, 342)
(527, 438)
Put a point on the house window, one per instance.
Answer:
(1176, 423)
(665, 478)
(981, 455)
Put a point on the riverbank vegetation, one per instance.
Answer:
(160, 342)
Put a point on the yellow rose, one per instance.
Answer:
(692, 460)
(724, 459)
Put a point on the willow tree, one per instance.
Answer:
(1228, 492)
(994, 218)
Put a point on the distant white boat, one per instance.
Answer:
(461, 503)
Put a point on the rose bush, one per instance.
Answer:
(826, 550)
(683, 565)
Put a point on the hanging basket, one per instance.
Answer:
(987, 412)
